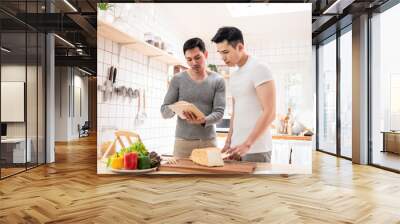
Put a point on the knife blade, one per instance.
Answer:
(110, 73)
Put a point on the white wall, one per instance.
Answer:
(80, 82)
(61, 103)
(33, 127)
(66, 120)
(14, 73)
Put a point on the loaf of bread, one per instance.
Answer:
(207, 157)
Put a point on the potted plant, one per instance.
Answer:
(104, 12)
(213, 67)
(104, 6)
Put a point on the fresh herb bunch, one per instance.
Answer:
(137, 147)
(213, 67)
(104, 6)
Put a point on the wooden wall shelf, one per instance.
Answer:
(107, 30)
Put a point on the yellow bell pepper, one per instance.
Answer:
(117, 163)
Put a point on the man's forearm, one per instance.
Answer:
(218, 106)
(170, 98)
(214, 117)
(166, 112)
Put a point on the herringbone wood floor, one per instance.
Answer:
(69, 191)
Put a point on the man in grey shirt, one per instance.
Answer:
(202, 88)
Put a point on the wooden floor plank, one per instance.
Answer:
(70, 191)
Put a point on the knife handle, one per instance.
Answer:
(114, 75)
(110, 73)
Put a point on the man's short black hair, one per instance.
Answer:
(229, 33)
(193, 43)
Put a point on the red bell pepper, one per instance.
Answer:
(130, 160)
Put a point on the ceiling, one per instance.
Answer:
(23, 48)
(74, 22)
(332, 15)
(190, 20)
(79, 27)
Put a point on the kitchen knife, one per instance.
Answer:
(110, 72)
(114, 75)
(108, 82)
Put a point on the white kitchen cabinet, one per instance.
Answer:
(301, 152)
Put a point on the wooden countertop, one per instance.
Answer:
(279, 137)
(262, 168)
(292, 137)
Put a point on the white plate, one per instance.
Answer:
(134, 171)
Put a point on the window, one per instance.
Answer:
(22, 75)
(327, 96)
(385, 89)
(346, 94)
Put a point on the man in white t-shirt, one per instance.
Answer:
(253, 93)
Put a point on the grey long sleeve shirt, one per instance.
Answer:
(208, 96)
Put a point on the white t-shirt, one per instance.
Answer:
(243, 83)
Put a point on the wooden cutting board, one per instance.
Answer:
(230, 167)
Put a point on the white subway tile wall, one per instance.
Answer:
(119, 113)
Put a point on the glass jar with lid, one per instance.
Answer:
(157, 41)
(149, 38)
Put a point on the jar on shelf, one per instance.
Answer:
(162, 45)
(149, 38)
(157, 41)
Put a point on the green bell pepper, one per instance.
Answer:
(144, 162)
